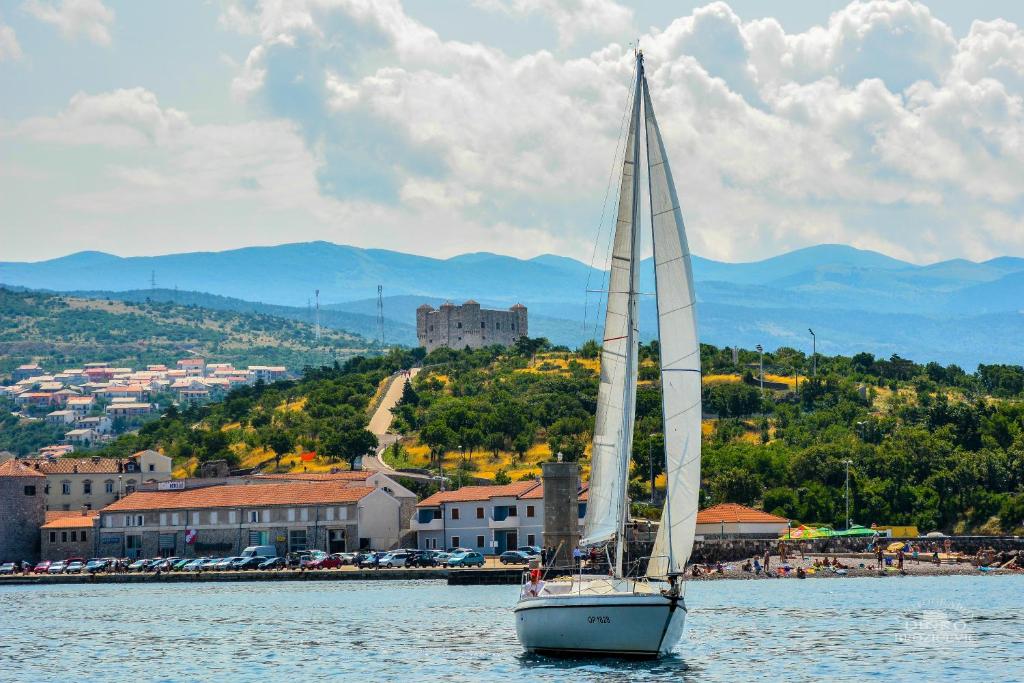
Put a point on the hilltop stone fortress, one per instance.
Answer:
(469, 325)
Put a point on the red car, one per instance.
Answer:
(43, 567)
(328, 562)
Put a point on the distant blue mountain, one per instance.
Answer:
(954, 311)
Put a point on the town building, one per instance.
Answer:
(469, 325)
(69, 534)
(378, 480)
(22, 511)
(731, 520)
(489, 519)
(222, 520)
(25, 371)
(93, 483)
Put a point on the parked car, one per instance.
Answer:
(180, 564)
(459, 550)
(96, 564)
(347, 558)
(138, 565)
(531, 550)
(193, 565)
(7, 568)
(225, 563)
(297, 557)
(160, 564)
(43, 567)
(371, 559)
(74, 567)
(514, 557)
(466, 559)
(251, 562)
(324, 562)
(422, 558)
(394, 559)
(273, 563)
(57, 567)
(441, 559)
(210, 563)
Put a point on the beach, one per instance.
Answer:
(854, 565)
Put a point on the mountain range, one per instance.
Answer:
(954, 311)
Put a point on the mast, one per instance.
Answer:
(616, 395)
(629, 386)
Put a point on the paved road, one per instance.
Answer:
(380, 421)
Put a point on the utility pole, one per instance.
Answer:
(380, 315)
(814, 353)
(847, 462)
(760, 350)
(152, 280)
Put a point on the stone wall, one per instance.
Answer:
(561, 504)
(22, 512)
(469, 325)
(56, 544)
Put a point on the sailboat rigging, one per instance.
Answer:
(623, 615)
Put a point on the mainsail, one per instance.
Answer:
(680, 360)
(616, 396)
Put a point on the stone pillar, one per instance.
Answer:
(561, 510)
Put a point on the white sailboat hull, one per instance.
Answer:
(619, 624)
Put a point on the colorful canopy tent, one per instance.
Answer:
(806, 532)
(855, 530)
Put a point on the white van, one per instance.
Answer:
(260, 551)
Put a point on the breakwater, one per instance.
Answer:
(454, 577)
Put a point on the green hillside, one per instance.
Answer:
(62, 331)
(928, 445)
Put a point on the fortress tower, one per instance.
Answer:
(469, 325)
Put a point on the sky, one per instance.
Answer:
(442, 127)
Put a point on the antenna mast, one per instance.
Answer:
(317, 327)
(380, 314)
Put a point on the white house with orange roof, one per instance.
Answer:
(733, 520)
(489, 519)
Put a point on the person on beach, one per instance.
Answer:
(880, 557)
(576, 557)
(757, 566)
(899, 561)
(767, 561)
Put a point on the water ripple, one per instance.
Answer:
(420, 630)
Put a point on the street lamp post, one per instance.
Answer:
(814, 353)
(650, 461)
(847, 462)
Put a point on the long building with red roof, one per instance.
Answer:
(334, 516)
(488, 519)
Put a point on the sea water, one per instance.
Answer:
(898, 628)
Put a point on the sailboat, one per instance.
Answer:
(623, 615)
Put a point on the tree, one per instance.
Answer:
(279, 443)
(501, 477)
(439, 438)
(409, 395)
(347, 444)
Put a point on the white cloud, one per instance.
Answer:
(877, 129)
(571, 18)
(89, 18)
(9, 47)
(121, 118)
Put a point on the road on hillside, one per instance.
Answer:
(380, 421)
